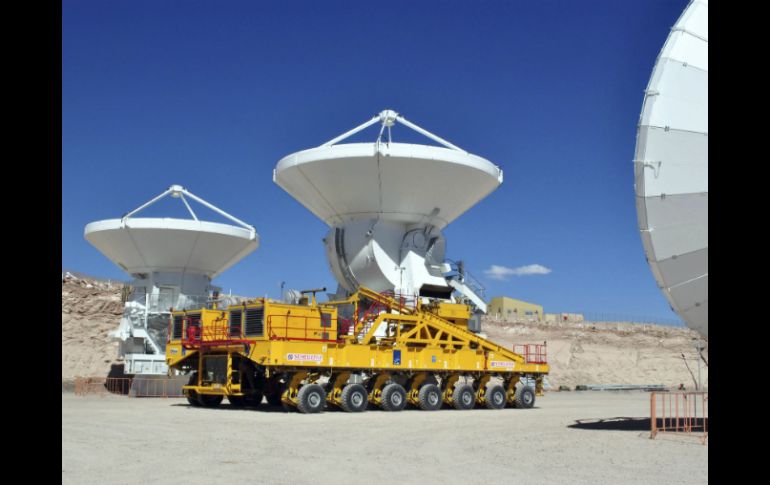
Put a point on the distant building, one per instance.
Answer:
(511, 309)
(564, 317)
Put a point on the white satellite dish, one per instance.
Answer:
(172, 262)
(671, 168)
(386, 204)
(141, 245)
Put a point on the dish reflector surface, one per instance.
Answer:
(145, 245)
(671, 168)
(395, 181)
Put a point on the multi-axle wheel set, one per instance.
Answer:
(306, 393)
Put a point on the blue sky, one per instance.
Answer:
(210, 95)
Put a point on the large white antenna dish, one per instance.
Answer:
(386, 204)
(671, 168)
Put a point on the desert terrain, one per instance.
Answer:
(568, 437)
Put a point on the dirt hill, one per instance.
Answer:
(89, 310)
(579, 353)
(608, 353)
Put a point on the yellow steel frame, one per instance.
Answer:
(413, 393)
(419, 343)
(337, 385)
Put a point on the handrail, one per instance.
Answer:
(533, 353)
(273, 330)
(216, 335)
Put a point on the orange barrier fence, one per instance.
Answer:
(533, 353)
(126, 386)
(679, 413)
(102, 385)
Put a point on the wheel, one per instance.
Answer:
(311, 398)
(524, 397)
(255, 399)
(209, 401)
(275, 389)
(429, 397)
(393, 397)
(236, 401)
(495, 397)
(274, 399)
(192, 398)
(354, 398)
(464, 397)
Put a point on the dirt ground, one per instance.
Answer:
(115, 439)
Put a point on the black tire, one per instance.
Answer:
(274, 391)
(524, 397)
(393, 397)
(254, 400)
(192, 398)
(274, 399)
(311, 398)
(354, 398)
(210, 401)
(430, 397)
(463, 397)
(495, 397)
(236, 401)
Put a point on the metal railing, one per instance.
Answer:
(164, 303)
(532, 353)
(405, 301)
(125, 386)
(213, 335)
(684, 413)
(299, 324)
(102, 385)
(609, 317)
(468, 278)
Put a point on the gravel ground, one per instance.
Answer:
(114, 439)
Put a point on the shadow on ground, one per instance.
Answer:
(626, 424)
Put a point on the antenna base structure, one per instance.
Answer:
(172, 262)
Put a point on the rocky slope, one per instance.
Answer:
(89, 310)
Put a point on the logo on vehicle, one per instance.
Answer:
(497, 363)
(305, 357)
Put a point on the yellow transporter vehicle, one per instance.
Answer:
(388, 354)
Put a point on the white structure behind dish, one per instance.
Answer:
(172, 262)
(671, 168)
(386, 204)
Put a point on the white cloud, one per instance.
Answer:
(502, 272)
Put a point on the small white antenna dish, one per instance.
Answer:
(671, 168)
(173, 262)
(178, 192)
